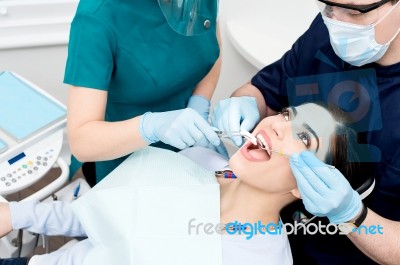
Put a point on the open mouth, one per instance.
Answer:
(253, 153)
(262, 144)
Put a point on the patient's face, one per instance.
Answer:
(306, 127)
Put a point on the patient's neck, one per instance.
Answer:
(243, 203)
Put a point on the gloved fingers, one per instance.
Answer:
(248, 124)
(232, 124)
(176, 142)
(250, 118)
(203, 142)
(332, 178)
(313, 201)
(217, 113)
(308, 180)
(196, 133)
(307, 190)
(176, 136)
(187, 137)
(192, 127)
(309, 196)
(311, 160)
(224, 116)
(311, 205)
(206, 131)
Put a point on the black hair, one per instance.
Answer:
(343, 152)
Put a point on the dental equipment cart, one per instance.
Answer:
(31, 137)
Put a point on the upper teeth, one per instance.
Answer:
(263, 143)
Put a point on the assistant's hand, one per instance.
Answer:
(200, 104)
(325, 191)
(179, 128)
(235, 114)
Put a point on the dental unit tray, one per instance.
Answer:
(31, 136)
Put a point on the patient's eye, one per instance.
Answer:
(286, 114)
(305, 138)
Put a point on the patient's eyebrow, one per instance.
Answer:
(305, 125)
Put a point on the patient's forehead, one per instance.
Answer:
(319, 120)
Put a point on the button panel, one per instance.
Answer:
(29, 167)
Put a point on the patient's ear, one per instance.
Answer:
(296, 193)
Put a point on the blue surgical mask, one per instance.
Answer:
(356, 44)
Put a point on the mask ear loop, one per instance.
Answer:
(390, 11)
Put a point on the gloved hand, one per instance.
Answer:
(235, 114)
(200, 104)
(179, 128)
(325, 191)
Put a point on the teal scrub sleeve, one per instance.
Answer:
(90, 53)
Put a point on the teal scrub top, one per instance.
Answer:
(127, 48)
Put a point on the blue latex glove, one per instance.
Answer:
(325, 191)
(200, 104)
(179, 128)
(235, 114)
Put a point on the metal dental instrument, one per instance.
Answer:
(262, 146)
(254, 140)
(242, 133)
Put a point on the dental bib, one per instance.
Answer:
(140, 213)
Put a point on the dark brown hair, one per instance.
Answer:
(343, 153)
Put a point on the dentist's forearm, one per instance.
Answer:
(383, 247)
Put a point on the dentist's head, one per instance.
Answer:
(363, 31)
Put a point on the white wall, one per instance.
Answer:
(256, 33)
(33, 41)
(235, 71)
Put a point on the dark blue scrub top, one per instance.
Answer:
(309, 72)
